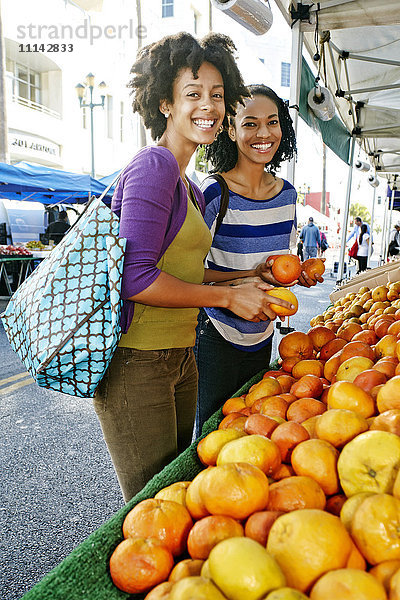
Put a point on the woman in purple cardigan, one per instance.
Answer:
(183, 89)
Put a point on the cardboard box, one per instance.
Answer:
(383, 275)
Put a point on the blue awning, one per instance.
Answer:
(27, 181)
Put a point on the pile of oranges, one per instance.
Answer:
(300, 494)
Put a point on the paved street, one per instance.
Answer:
(57, 483)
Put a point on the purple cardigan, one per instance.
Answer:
(151, 202)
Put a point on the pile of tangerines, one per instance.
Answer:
(300, 494)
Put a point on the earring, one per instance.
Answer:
(220, 130)
(166, 115)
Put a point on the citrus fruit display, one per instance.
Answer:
(299, 494)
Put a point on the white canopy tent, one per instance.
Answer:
(359, 45)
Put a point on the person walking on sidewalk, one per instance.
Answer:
(311, 239)
(363, 248)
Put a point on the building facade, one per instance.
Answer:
(51, 45)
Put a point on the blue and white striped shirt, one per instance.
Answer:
(250, 231)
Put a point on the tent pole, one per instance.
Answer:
(382, 255)
(389, 228)
(295, 80)
(370, 249)
(346, 213)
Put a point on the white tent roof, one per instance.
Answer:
(362, 54)
(304, 212)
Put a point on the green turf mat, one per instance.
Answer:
(84, 574)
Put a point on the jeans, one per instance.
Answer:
(310, 252)
(146, 406)
(223, 369)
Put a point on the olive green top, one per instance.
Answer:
(156, 328)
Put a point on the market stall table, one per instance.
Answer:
(25, 267)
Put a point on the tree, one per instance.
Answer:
(359, 210)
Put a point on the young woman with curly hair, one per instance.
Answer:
(183, 89)
(260, 220)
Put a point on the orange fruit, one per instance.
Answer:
(208, 532)
(199, 587)
(283, 294)
(242, 568)
(348, 584)
(308, 367)
(138, 564)
(286, 436)
(308, 543)
(320, 336)
(209, 447)
(176, 492)
(308, 386)
(274, 406)
(304, 408)
(369, 463)
(259, 524)
(260, 425)
(188, 567)
(375, 528)
(384, 571)
(233, 405)
(317, 459)
(296, 344)
(350, 506)
(338, 426)
(160, 592)
(194, 501)
(168, 521)
(286, 268)
(347, 395)
(235, 489)
(268, 386)
(256, 450)
(293, 493)
(313, 267)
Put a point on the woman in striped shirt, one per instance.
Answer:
(260, 220)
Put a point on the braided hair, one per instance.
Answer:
(158, 65)
(223, 152)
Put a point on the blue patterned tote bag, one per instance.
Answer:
(64, 320)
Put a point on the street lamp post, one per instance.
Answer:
(80, 90)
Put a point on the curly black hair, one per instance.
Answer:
(223, 152)
(157, 66)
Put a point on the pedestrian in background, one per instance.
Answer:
(324, 243)
(394, 241)
(311, 238)
(363, 248)
(56, 230)
(300, 250)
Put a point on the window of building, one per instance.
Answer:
(167, 8)
(26, 83)
(109, 116)
(121, 122)
(285, 74)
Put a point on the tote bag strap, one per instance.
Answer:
(223, 207)
(103, 194)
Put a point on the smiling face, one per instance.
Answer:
(256, 131)
(198, 106)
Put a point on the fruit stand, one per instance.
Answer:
(292, 492)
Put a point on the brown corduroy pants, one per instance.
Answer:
(146, 405)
